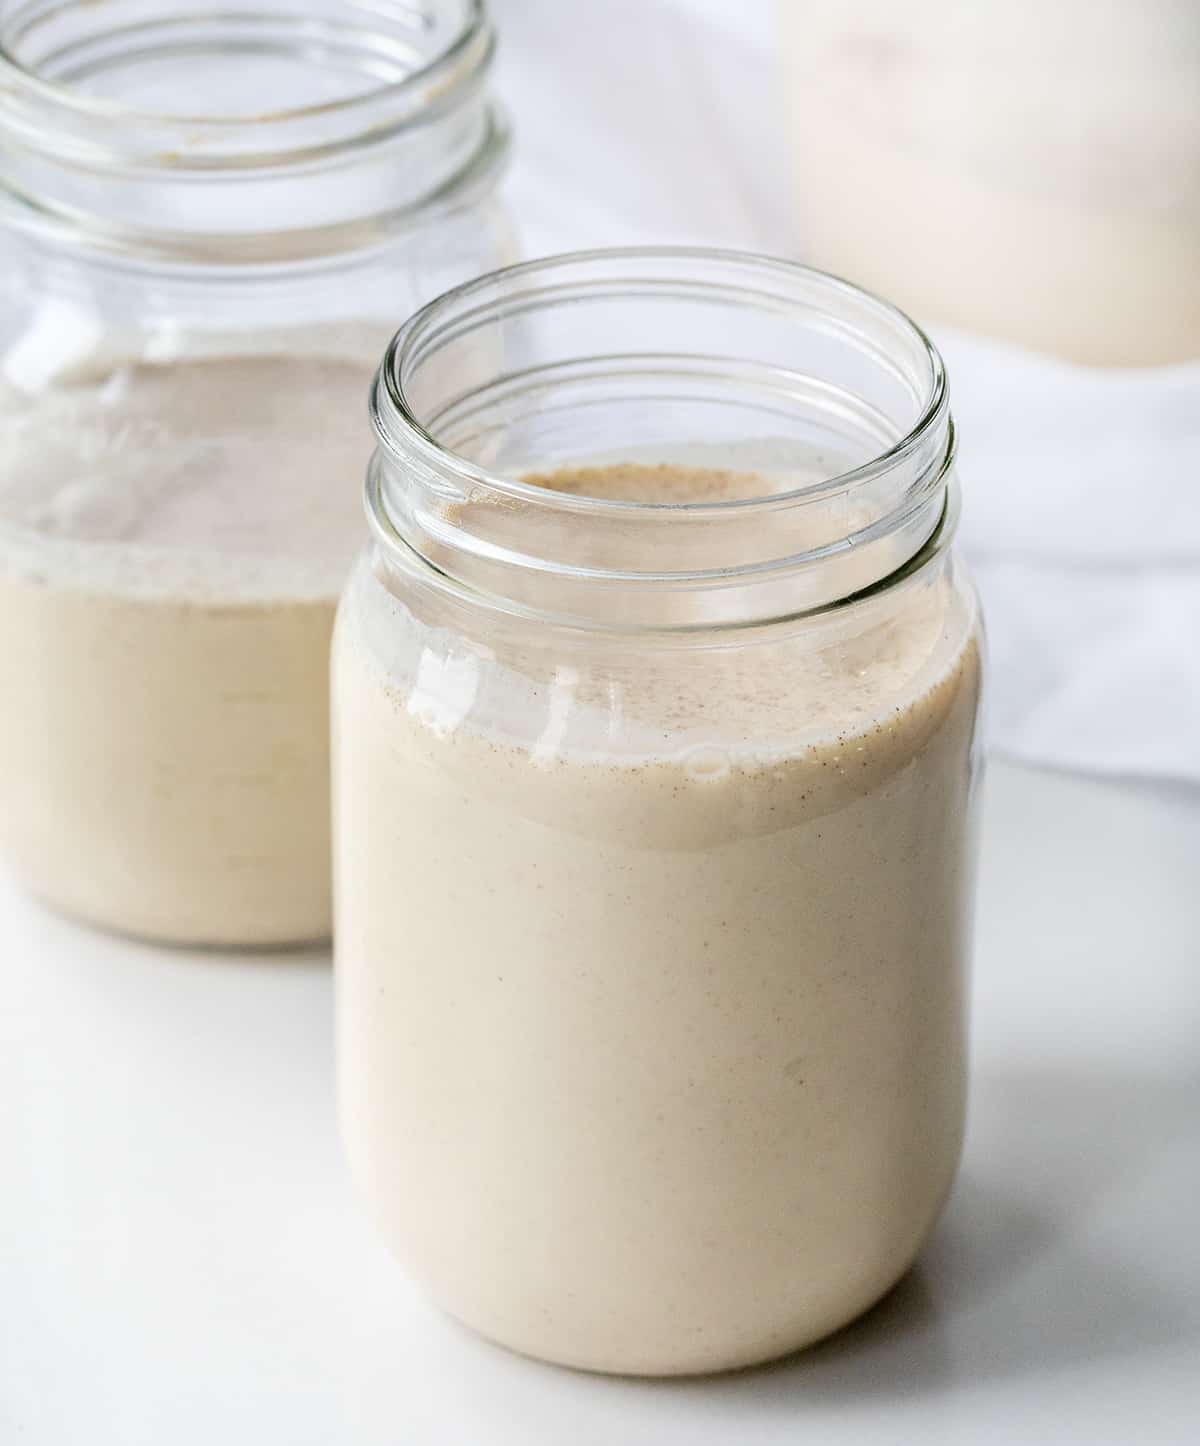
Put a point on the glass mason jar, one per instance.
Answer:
(205, 220)
(655, 704)
(1038, 165)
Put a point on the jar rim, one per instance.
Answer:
(397, 424)
(49, 113)
(934, 548)
(553, 333)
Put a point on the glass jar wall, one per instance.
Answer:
(655, 704)
(209, 224)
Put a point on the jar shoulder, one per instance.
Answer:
(764, 694)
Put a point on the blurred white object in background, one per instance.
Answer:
(1026, 170)
(1081, 521)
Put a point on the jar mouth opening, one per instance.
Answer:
(402, 429)
(812, 416)
(909, 569)
(400, 66)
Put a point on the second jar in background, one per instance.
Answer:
(208, 225)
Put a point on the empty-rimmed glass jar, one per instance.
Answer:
(210, 221)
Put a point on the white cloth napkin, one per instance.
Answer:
(658, 121)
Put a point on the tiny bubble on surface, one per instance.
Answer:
(707, 765)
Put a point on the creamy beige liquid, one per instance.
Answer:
(651, 976)
(173, 539)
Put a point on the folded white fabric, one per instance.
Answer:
(657, 121)
(1082, 526)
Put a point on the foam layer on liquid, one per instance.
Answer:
(207, 479)
(760, 698)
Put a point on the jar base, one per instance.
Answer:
(716, 1363)
(207, 940)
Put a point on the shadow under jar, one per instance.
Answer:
(210, 222)
(655, 705)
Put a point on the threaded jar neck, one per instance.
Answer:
(831, 401)
(256, 132)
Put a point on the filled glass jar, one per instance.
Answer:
(655, 752)
(209, 225)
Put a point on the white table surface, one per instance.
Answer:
(181, 1261)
